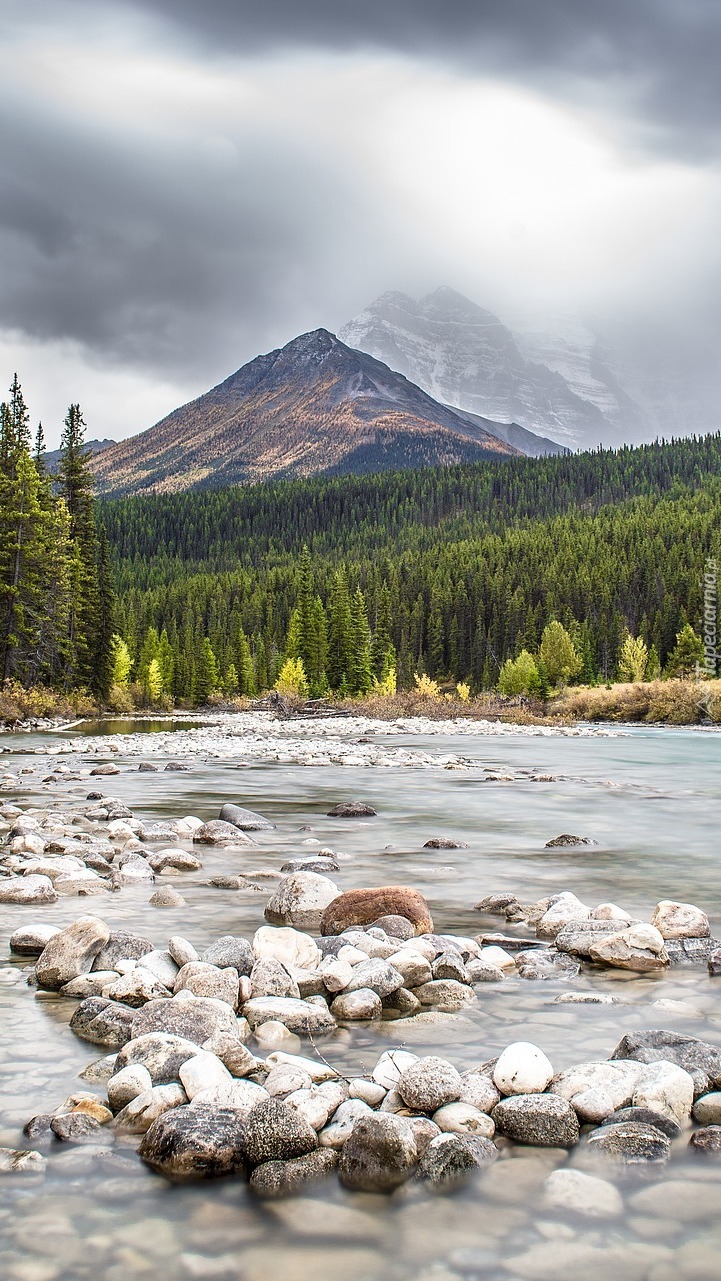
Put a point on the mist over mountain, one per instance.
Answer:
(581, 382)
(313, 406)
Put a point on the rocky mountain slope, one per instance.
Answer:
(312, 406)
(584, 382)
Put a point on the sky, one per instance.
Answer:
(187, 183)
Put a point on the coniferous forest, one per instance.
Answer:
(527, 572)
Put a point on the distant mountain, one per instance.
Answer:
(584, 382)
(52, 456)
(312, 406)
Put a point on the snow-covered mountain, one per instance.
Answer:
(580, 382)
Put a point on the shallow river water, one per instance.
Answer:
(651, 798)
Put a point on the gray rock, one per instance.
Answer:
(298, 1016)
(629, 1143)
(75, 1127)
(445, 994)
(541, 1120)
(134, 988)
(274, 1131)
(31, 940)
(208, 981)
(301, 900)
(245, 820)
(122, 945)
(285, 1178)
(105, 769)
(688, 1052)
(639, 948)
(379, 1154)
(182, 952)
(445, 843)
(216, 832)
(579, 937)
(430, 1083)
(161, 964)
(360, 1004)
(103, 1022)
(451, 1158)
(270, 978)
(197, 1142)
(546, 963)
(146, 767)
(707, 1109)
(179, 860)
(568, 841)
(378, 975)
(352, 809)
(395, 927)
(194, 1017)
(707, 1139)
(19, 1161)
(714, 961)
(645, 1116)
(321, 863)
(162, 1053)
(691, 951)
(449, 965)
(496, 904)
(27, 889)
(166, 896)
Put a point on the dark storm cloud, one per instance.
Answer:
(659, 57)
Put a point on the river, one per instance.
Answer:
(651, 798)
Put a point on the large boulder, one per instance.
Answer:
(216, 832)
(196, 1018)
(245, 820)
(690, 1053)
(379, 1154)
(629, 1143)
(363, 907)
(196, 1143)
(639, 948)
(429, 1083)
(541, 1120)
(122, 945)
(451, 1158)
(103, 1022)
(285, 1178)
(301, 899)
(680, 920)
(31, 940)
(71, 952)
(275, 1131)
(27, 889)
(297, 1016)
(162, 1053)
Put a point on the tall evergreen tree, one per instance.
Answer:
(360, 676)
(75, 485)
(340, 633)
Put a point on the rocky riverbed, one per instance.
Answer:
(412, 1044)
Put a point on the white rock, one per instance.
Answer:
(127, 1084)
(566, 908)
(181, 951)
(414, 967)
(203, 1072)
(27, 889)
(239, 1095)
(680, 920)
(91, 984)
(317, 1071)
(583, 1194)
(593, 1105)
(301, 899)
(463, 1118)
(610, 912)
(289, 946)
(311, 1105)
(336, 974)
(522, 1069)
(391, 1066)
(479, 1091)
(707, 1109)
(498, 957)
(162, 966)
(618, 1077)
(139, 1114)
(667, 1089)
(369, 1092)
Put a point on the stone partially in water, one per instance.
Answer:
(285, 1178)
(714, 962)
(194, 1017)
(567, 841)
(629, 1143)
(103, 1022)
(277, 1132)
(689, 1052)
(361, 907)
(379, 1154)
(680, 920)
(72, 952)
(707, 1140)
(667, 1089)
(352, 809)
(430, 1083)
(359, 1004)
(20, 1161)
(583, 1194)
(541, 1120)
(301, 899)
(445, 843)
(446, 995)
(522, 1069)
(162, 1053)
(245, 820)
(31, 940)
(639, 948)
(296, 1016)
(216, 832)
(646, 1116)
(451, 1158)
(707, 1109)
(196, 1143)
(75, 1127)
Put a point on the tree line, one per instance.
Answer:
(57, 599)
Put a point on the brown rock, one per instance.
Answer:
(362, 907)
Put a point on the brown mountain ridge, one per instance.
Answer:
(312, 406)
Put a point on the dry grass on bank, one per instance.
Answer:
(18, 705)
(672, 702)
(484, 707)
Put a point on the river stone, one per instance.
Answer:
(394, 927)
(546, 964)
(463, 1118)
(580, 1193)
(667, 1089)
(541, 1120)
(301, 899)
(522, 1069)
(297, 1016)
(105, 769)
(245, 820)
(196, 1143)
(449, 965)
(31, 940)
(629, 1143)
(177, 859)
(75, 1127)
(618, 1079)
(291, 947)
(135, 988)
(578, 937)
(194, 1017)
(276, 1132)
(352, 809)
(639, 948)
(445, 843)
(239, 1095)
(478, 1090)
(680, 920)
(415, 968)
(707, 1139)
(688, 1052)
(360, 1003)
(320, 863)
(646, 1116)
(565, 908)
(285, 1178)
(103, 1022)
(216, 832)
(361, 907)
(71, 952)
(127, 1084)
(378, 975)
(21, 1161)
(166, 896)
(450, 1158)
(160, 1052)
(445, 994)
(379, 1154)
(229, 952)
(714, 961)
(707, 1109)
(567, 841)
(270, 978)
(391, 1066)
(429, 1083)
(680, 1200)
(208, 981)
(139, 1114)
(202, 1072)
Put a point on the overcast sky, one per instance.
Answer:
(186, 183)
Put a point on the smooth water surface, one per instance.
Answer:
(651, 798)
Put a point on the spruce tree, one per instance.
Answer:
(206, 672)
(340, 633)
(383, 654)
(360, 676)
(106, 620)
(75, 484)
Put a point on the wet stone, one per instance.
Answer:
(274, 1131)
(451, 1158)
(541, 1120)
(646, 1116)
(707, 1140)
(629, 1143)
(196, 1143)
(285, 1178)
(103, 1022)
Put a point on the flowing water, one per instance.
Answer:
(651, 798)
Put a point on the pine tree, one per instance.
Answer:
(340, 633)
(39, 451)
(687, 655)
(246, 670)
(206, 672)
(121, 661)
(633, 659)
(383, 654)
(106, 620)
(23, 523)
(360, 676)
(75, 485)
